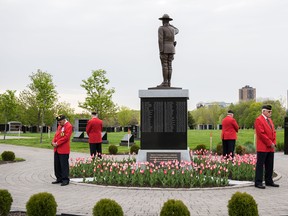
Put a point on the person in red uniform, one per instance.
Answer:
(61, 144)
(265, 146)
(94, 132)
(229, 134)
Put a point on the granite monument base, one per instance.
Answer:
(164, 119)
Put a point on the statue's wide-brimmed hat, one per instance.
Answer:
(165, 17)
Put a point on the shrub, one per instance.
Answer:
(250, 148)
(242, 204)
(113, 149)
(175, 208)
(248, 142)
(280, 146)
(200, 146)
(41, 204)
(241, 150)
(134, 149)
(219, 149)
(5, 202)
(8, 156)
(107, 207)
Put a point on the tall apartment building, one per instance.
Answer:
(247, 93)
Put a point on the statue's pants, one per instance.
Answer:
(166, 62)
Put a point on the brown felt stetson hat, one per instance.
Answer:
(165, 17)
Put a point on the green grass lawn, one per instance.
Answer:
(195, 137)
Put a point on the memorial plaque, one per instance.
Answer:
(83, 137)
(157, 157)
(78, 137)
(104, 137)
(164, 123)
(82, 123)
(2, 127)
(164, 115)
(109, 129)
(33, 129)
(14, 126)
(124, 141)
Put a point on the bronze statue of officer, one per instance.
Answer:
(167, 43)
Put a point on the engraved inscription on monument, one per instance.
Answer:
(163, 115)
(163, 156)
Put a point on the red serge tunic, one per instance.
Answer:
(229, 128)
(265, 135)
(94, 130)
(62, 138)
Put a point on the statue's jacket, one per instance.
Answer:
(166, 38)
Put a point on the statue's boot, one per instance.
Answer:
(165, 73)
(169, 77)
(164, 84)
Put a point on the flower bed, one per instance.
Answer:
(205, 170)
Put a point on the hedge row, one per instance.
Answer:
(44, 204)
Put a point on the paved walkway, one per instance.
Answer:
(34, 175)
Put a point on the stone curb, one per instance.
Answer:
(249, 184)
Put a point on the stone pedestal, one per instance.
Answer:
(163, 120)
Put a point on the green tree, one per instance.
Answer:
(199, 115)
(64, 108)
(214, 111)
(247, 112)
(110, 121)
(126, 117)
(39, 97)
(251, 113)
(135, 117)
(8, 107)
(98, 98)
(208, 115)
(191, 121)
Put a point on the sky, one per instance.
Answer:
(222, 46)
